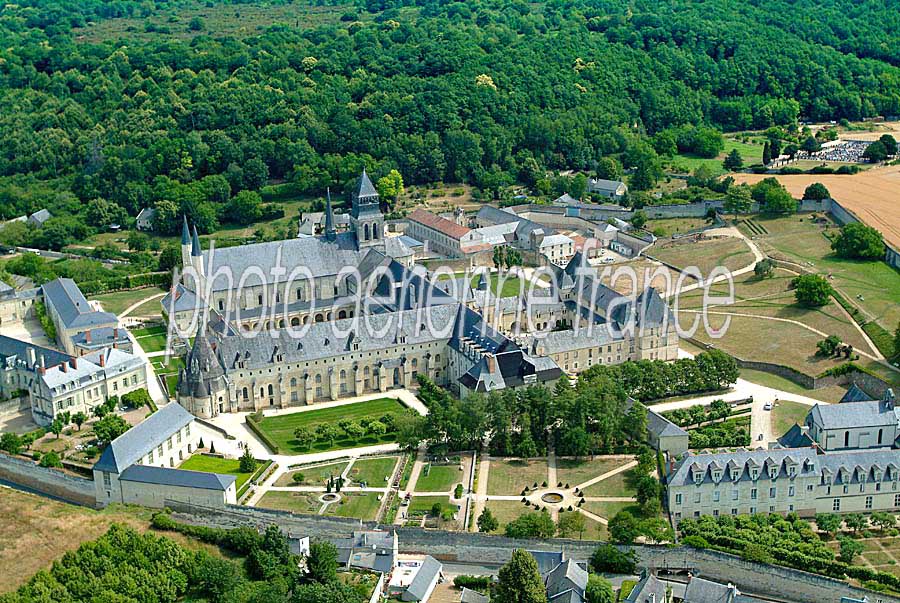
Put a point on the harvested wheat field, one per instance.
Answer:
(872, 195)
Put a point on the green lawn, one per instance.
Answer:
(608, 510)
(151, 339)
(616, 485)
(212, 464)
(506, 511)
(373, 471)
(421, 505)
(295, 502)
(512, 285)
(315, 475)
(281, 428)
(785, 414)
(574, 472)
(826, 394)
(440, 478)
(118, 301)
(359, 505)
(510, 477)
(750, 152)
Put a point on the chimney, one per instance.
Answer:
(64, 367)
(116, 333)
(42, 370)
(491, 362)
(103, 358)
(31, 357)
(43, 362)
(87, 336)
(75, 363)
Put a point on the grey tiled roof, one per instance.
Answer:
(601, 185)
(661, 426)
(185, 300)
(16, 350)
(495, 215)
(100, 337)
(699, 590)
(568, 340)
(547, 560)
(855, 394)
(321, 257)
(565, 576)
(796, 437)
(472, 596)
(73, 308)
(806, 459)
(40, 216)
(164, 476)
(649, 590)
(427, 574)
(185, 233)
(872, 413)
(131, 446)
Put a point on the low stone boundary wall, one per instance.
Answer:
(51, 482)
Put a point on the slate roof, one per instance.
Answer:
(131, 446)
(40, 216)
(185, 233)
(648, 590)
(5, 289)
(796, 437)
(182, 478)
(322, 257)
(568, 575)
(547, 560)
(441, 225)
(699, 590)
(185, 300)
(72, 306)
(806, 459)
(148, 213)
(872, 413)
(660, 426)
(101, 337)
(604, 186)
(855, 394)
(495, 215)
(472, 596)
(428, 573)
(364, 199)
(594, 335)
(16, 351)
(395, 247)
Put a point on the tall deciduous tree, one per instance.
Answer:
(519, 581)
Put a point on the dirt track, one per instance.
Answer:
(873, 195)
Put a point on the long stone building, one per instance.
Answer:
(359, 321)
(843, 459)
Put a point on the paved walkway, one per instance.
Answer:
(484, 469)
(606, 475)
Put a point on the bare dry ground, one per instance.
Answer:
(872, 195)
(35, 531)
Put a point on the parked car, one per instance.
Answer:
(767, 406)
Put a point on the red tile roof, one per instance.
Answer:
(442, 225)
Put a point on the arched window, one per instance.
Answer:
(846, 439)
(880, 435)
(342, 314)
(262, 392)
(246, 393)
(343, 374)
(437, 358)
(366, 232)
(271, 390)
(293, 382)
(415, 362)
(319, 378)
(366, 371)
(295, 322)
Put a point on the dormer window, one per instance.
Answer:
(717, 475)
(735, 474)
(792, 471)
(754, 473)
(698, 477)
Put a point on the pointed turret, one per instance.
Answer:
(330, 233)
(196, 250)
(185, 233)
(366, 219)
(202, 380)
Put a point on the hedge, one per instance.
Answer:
(128, 281)
(254, 427)
(480, 583)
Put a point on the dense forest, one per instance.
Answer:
(179, 110)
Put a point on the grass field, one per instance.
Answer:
(295, 502)
(619, 276)
(574, 472)
(359, 505)
(512, 285)
(375, 472)
(826, 394)
(151, 339)
(315, 475)
(506, 511)
(666, 227)
(608, 510)
(510, 477)
(616, 485)
(751, 152)
(785, 414)
(120, 300)
(798, 239)
(281, 428)
(35, 531)
(706, 254)
(212, 464)
(440, 478)
(421, 505)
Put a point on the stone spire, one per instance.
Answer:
(330, 233)
(196, 250)
(185, 233)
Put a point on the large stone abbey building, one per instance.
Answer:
(323, 317)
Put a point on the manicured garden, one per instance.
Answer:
(439, 478)
(374, 472)
(215, 464)
(321, 429)
(512, 286)
(511, 476)
(151, 339)
(312, 475)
